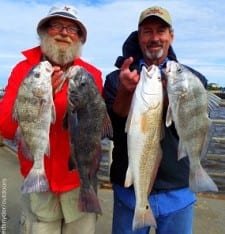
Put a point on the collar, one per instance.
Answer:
(161, 66)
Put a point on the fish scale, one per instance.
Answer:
(188, 108)
(34, 110)
(143, 127)
(88, 122)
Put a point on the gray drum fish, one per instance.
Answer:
(189, 102)
(34, 110)
(144, 132)
(88, 122)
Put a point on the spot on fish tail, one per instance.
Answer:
(143, 218)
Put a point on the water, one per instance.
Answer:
(215, 161)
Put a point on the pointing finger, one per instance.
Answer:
(127, 63)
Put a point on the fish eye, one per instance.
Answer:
(82, 85)
(179, 70)
(37, 74)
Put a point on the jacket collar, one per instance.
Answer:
(33, 55)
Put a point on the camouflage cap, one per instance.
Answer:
(156, 11)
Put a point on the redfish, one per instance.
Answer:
(144, 132)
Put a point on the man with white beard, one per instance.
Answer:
(62, 35)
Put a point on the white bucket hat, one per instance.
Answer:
(67, 12)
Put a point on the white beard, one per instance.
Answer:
(60, 55)
(155, 55)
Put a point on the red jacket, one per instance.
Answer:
(56, 166)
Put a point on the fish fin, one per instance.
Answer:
(65, 120)
(207, 140)
(107, 130)
(95, 161)
(162, 132)
(47, 151)
(181, 151)
(15, 112)
(88, 201)
(53, 114)
(129, 178)
(42, 107)
(71, 162)
(213, 101)
(143, 217)
(129, 119)
(200, 181)
(24, 147)
(35, 181)
(72, 122)
(169, 116)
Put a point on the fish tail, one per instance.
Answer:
(143, 218)
(88, 201)
(200, 181)
(35, 181)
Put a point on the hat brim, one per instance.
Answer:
(81, 25)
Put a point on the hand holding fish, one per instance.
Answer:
(56, 77)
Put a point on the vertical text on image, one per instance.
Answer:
(4, 206)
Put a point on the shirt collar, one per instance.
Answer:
(161, 66)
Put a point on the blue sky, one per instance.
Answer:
(199, 31)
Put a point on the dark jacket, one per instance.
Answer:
(172, 174)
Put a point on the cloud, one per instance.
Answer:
(198, 25)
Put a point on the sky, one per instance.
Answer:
(199, 28)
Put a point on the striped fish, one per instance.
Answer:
(188, 108)
(35, 111)
(88, 122)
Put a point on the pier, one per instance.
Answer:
(209, 208)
